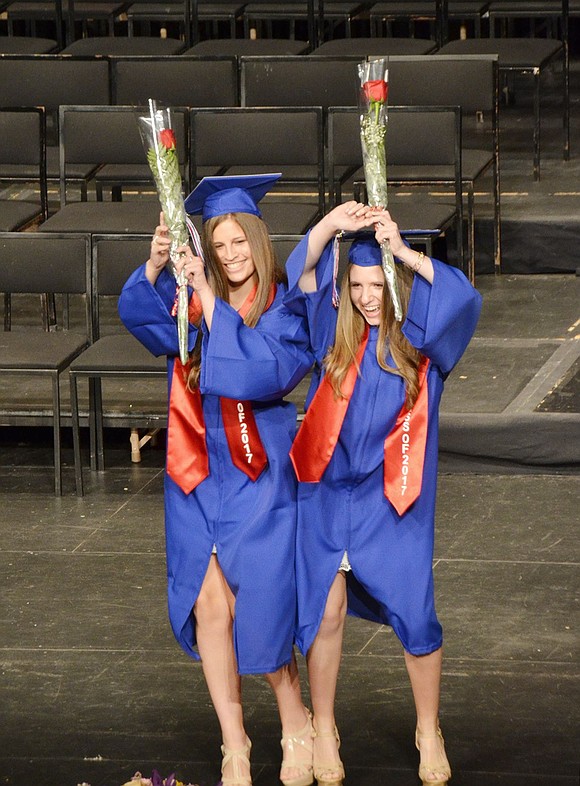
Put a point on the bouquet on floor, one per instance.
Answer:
(161, 148)
(154, 780)
(374, 90)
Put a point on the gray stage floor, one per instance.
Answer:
(93, 686)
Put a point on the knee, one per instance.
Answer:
(334, 615)
(212, 610)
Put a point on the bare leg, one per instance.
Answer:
(294, 717)
(214, 610)
(425, 675)
(323, 661)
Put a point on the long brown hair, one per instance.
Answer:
(268, 272)
(350, 327)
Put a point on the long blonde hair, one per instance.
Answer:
(268, 272)
(350, 327)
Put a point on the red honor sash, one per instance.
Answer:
(404, 449)
(187, 460)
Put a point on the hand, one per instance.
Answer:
(193, 268)
(387, 229)
(350, 217)
(159, 253)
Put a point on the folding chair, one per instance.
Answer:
(471, 82)
(413, 159)
(115, 356)
(244, 140)
(64, 269)
(108, 137)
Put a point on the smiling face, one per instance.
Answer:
(234, 254)
(366, 286)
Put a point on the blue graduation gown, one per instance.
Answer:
(252, 524)
(391, 556)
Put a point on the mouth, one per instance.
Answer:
(371, 310)
(233, 266)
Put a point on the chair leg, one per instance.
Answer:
(7, 311)
(74, 402)
(537, 125)
(98, 414)
(56, 432)
(470, 233)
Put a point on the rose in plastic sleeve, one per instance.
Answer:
(161, 148)
(374, 90)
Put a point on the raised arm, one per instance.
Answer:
(347, 217)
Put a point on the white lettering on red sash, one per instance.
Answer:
(244, 432)
(405, 446)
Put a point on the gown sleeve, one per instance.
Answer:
(442, 316)
(145, 310)
(316, 306)
(262, 363)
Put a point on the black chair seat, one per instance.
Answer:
(135, 217)
(422, 218)
(39, 351)
(23, 171)
(115, 46)
(299, 10)
(513, 53)
(161, 11)
(248, 46)
(26, 45)
(525, 9)
(109, 355)
(16, 213)
(375, 46)
(82, 10)
(396, 10)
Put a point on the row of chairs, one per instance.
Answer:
(322, 19)
(312, 80)
(102, 363)
(241, 140)
(471, 83)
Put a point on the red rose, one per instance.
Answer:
(167, 139)
(376, 90)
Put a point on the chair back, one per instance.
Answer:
(114, 259)
(23, 135)
(301, 80)
(52, 80)
(180, 81)
(259, 137)
(108, 135)
(46, 262)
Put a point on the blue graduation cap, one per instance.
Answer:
(365, 252)
(216, 196)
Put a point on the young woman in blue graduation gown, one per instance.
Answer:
(366, 513)
(230, 533)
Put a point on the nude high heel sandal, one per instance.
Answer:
(290, 744)
(325, 771)
(237, 758)
(430, 768)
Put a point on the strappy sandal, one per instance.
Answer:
(237, 758)
(326, 772)
(291, 743)
(431, 768)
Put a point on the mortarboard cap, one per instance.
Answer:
(365, 253)
(216, 196)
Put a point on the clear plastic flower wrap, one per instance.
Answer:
(374, 90)
(160, 145)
